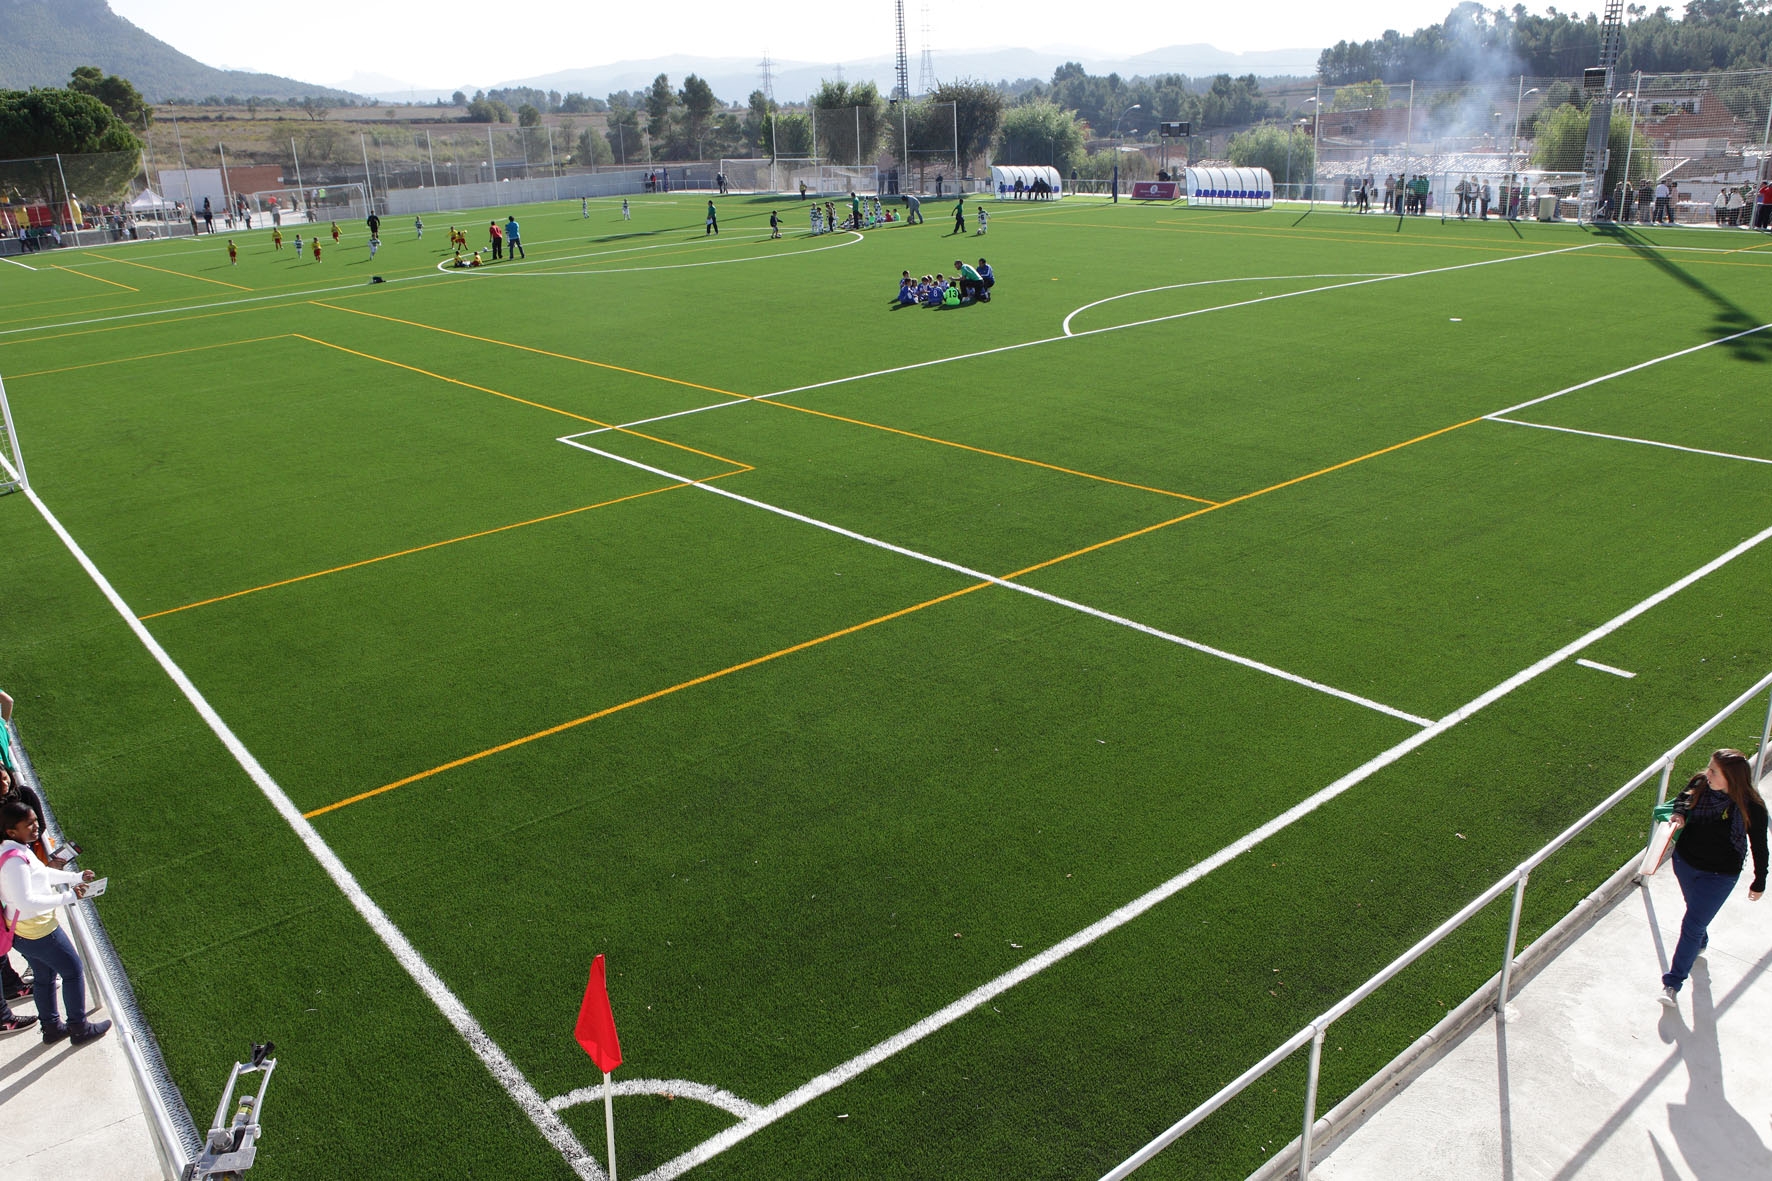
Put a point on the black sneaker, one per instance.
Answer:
(90, 1032)
(15, 1021)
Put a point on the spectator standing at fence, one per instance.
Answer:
(1717, 819)
(1661, 212)
(34, 892)
(1763, 210)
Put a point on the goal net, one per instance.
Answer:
(314, 203)
(836, 179)
(764, 175)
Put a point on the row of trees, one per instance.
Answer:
(1028, 122)
(1474, 42)
(86, 123)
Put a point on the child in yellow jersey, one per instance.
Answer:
(317, 248)
(233, 254)
(335, 233)
(277, 239)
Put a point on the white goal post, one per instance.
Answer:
(12, 461)
(313, 203)
(837, 180)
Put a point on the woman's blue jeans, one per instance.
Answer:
(1705, 893)
(51, 956)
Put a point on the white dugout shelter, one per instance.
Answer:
(1231, 188)
(1003, 180)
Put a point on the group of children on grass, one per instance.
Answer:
(864, 214)
(969, 284)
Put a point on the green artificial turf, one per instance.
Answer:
(547, 701)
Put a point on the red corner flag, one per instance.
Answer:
(596, 1024)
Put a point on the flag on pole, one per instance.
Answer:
(596, 1023)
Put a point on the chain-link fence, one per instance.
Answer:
(1687, 148)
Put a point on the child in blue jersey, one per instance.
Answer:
(907, 289)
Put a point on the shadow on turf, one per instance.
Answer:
(1731, 317)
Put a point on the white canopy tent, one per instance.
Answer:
(150, 203)
(1231, 188)
(1003, 178)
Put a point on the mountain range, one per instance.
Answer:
(45, 39)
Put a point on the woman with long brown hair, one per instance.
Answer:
(1717, 818)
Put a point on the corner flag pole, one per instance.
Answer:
(609, 1120)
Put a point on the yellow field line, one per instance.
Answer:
(226, 344)
(94, 278)
(701, 680)
(181, 274)
(985, 451)
(525, 401)
(419, 549)
(1239, 499)
(642, 700)
(528, 349)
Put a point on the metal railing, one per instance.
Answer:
(1314, 1033)
(169, 1121)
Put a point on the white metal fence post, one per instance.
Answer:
(1765, 734)
(1513, 937)
(1310, 1104)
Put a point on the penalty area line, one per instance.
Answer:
(497, 1063)
(984, 993)
(1021, 588)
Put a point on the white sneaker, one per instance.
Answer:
(1668, 997)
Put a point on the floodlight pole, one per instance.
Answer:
(431, 152)
(368, 183)
(190, 206)
(67, 197)
(491, 160)
(1316, 140)
(858, 135)
(297, 159)
(227, 186)
(1631, 143)
(552, 167)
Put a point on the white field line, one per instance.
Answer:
(204, 307)
(1465, 266)
(15, 262)
(1034, 592)
(1569, 430)
(984, 993)
(676, 1087)
(1697, 348)
(503, 1070)
(1066, 326)
(1605, 668)
(447, 267)
(1028, 344)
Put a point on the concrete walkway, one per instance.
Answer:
(1591, 1077)
(70, 1113)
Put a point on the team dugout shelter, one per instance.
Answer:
(1003, 178)
(1231, 188)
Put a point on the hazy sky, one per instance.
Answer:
(448, 42)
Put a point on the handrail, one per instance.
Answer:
(1314, 1032)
